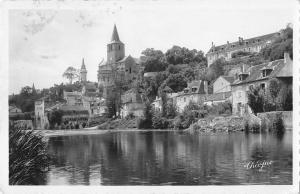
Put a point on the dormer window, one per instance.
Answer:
(194, 89)
(266, 72)
(243, 76)
(186, 90)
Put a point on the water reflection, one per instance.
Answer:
(162, 158)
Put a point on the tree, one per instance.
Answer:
(176, 82)
(154, 60)
(216, 69)
(256, 100)
(274, 88)
(177, 55)
(283, 43)
(71, 73)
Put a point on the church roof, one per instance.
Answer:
(115, 35)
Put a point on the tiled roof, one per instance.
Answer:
(252, 41)
(255, 72)
(230, 79)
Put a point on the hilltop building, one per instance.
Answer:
(251, 45)
(118, 68)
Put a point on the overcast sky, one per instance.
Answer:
(42, 44)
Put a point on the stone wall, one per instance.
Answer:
(269, 118)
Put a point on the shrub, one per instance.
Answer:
(28, 158)
(278, 126)
(129, 116)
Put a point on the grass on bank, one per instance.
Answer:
(28, 159)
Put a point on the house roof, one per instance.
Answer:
(230, 79)
(251, 41)
(255, 72)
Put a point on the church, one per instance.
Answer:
(118, 67)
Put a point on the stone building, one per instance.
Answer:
(251, 45)
(259, 76)
(131, 104)
(118, 69)
(196, 92)
(222, 84)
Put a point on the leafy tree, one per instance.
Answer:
(274, 88)
(154, 60)
(71, 73)
(177, 55)
(176, 82)
(216, 69)
(55, 117)
(256, 100)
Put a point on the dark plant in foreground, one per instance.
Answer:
(28, 158)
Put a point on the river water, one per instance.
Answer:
(170, 158)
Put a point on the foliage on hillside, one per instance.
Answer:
(284, 43)
(25, 99)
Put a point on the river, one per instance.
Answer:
(169, 158)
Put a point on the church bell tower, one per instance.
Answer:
(116, 48)
(83, 72)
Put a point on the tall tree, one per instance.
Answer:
(71, 73)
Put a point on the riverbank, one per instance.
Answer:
(53, 133)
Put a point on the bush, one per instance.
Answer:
(278, 126)
(129, 116)
(28, 158)
(159, 122)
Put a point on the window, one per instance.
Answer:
(194, 89)
(119, 47)
(130, 70)
(263, 86)
(184, 99)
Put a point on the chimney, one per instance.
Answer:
(286, 57)
(227, 43)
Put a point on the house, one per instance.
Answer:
(131, 102)
(74, 114)
(259, 76)
(14, 110)
(251, 45)
(73, 98)
(222, 84)
(194, 92)
(216, 98)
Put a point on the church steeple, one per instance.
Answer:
(83, 72)
(116, 48)
(115, 35)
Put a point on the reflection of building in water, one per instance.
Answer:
(41, 120)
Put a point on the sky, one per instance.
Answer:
(44, 42)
